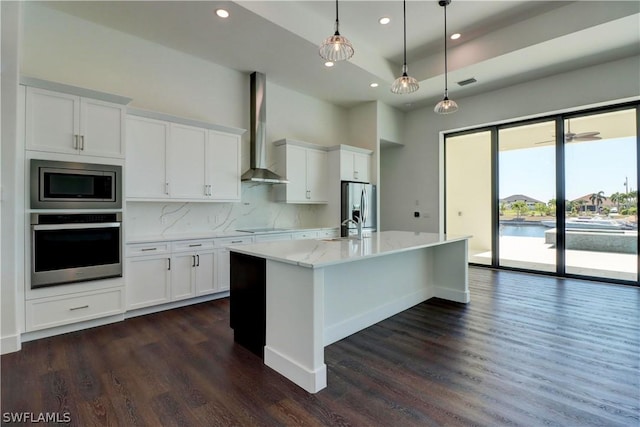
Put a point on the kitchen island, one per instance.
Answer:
(290, 299)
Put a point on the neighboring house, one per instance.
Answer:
(585, 204)
(530, 201)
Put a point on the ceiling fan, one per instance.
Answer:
(576, 137)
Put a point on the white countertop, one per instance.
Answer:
(315, 253)
(216, 234)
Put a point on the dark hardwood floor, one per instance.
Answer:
(528, 350)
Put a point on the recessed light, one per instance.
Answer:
(455, 36)
(384, 20)
(329, 64)
(374, 85)
(222, 13)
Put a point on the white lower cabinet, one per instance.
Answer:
(193, 269)
(224, 260)
(148, 274)
(161, 272)
(49, 312)
(148, 280)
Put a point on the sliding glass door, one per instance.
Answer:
(527, 187)
(601, 228)
(554, 195)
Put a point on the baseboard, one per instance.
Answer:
(174, 304)
(10, 344)
(452, 295)
(311, 381)
(73, 327)
(357, 323)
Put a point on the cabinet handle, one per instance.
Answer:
(197, 260)
(308, 194)
(166, 188)
(236, 241)
(209, 190)
(193, 262)
(195, 245)
(169, 264)
(148, 249)
(355, 174)
(82, 142)
(79, 308)
(75, 142)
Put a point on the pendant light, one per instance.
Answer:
(336, 47)
(404, 83)
(446, 106)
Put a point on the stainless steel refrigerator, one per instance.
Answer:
(358, 201)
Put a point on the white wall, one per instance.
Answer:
(65, 49)
(10, 218)
(412, 173)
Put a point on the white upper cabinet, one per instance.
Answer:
(306, 168)
(223, 160)
(355, 164)
(63, 123)
(146, 170)
(175, 161)
(188, 162)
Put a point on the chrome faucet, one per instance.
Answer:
(358, 224)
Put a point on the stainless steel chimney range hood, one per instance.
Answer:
(258, 171)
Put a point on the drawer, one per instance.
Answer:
(191, 245)
(227, 241)
(329, 233)
(304, 235)
(49, 312)
(140, 249)
(272, 237)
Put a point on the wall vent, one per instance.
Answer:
(467, 82)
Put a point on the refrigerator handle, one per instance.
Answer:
(363, 206)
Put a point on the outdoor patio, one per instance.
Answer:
(533, 253)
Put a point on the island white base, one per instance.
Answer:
(310, 308)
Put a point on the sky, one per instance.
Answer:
(590, 167)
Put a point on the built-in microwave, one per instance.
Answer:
(69, 185)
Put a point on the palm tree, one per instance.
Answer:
(617, 198)
(597, 199)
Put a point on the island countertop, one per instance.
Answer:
(323, 252)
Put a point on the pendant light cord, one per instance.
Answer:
(404, 11)
(337, 21)
(446, 86)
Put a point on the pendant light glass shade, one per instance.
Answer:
(446, 106)
(336, 47)
(404, 84)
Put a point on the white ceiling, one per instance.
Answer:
(503, 42)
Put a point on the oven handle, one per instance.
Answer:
(76, 226)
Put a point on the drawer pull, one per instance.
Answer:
(148, 249)
(195, 245)
(236, 241)
(79, 308)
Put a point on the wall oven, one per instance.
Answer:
(74, 247)
(69, 185)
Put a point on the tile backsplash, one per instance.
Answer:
(256, 210)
